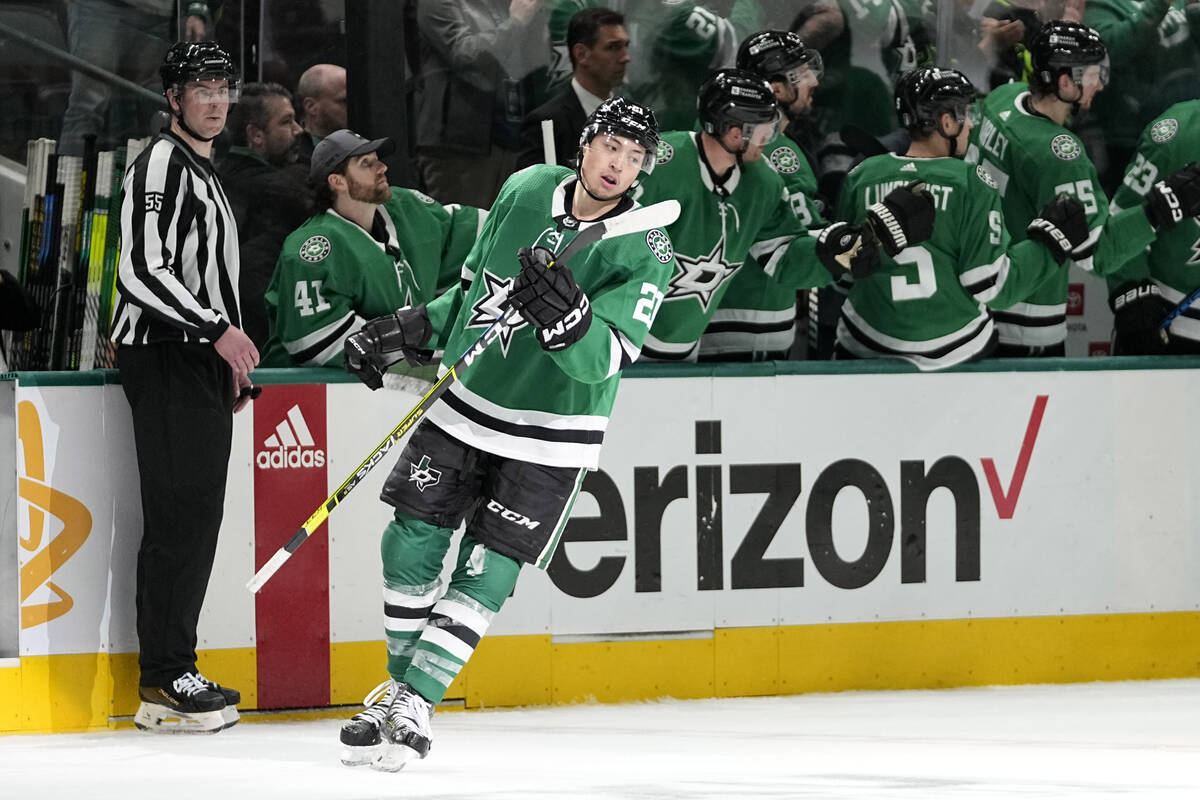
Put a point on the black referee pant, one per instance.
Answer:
(181, 396)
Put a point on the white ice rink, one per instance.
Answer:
(1136, 740)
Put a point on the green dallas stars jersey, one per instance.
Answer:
(517, 400)
(1032, 159)
(715, 234)
(927, 305)
(757, 316)
(1173, 260)
(332, 275)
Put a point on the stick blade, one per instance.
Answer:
(268, 569)
(659, 215)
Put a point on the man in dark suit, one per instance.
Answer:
(599, 49)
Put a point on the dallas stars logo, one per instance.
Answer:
(702, 276)
(664, 153)
(785, 161)
(1065, 147)
(314, 249)
(1164, 130)
(488, 307)
(422, 475)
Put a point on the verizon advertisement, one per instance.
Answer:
(720, 502)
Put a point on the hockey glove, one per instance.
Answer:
(844, 247)
(550, 300)
(367, 353)
(1175, 198)
(1061, 227)
(1138, 310)
(903, 218)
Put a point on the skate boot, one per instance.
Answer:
(229, 714)
(186, 706)
(405, 730)
(360, 734)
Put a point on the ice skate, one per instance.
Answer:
(186, 706)
(405, 730)
(360, 734)
(229, 714)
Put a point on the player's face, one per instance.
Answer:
(611, 164)
(366, 179)
(752, 138)
(205, 105)
(279, 141)
(607, 59)
(794, 90)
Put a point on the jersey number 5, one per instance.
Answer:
(304, 303)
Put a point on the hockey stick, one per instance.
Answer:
(1183, 306)
(642, 219)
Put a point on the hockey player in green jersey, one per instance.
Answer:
(928, 304)
(507, 447)
(1032, 158)
(1153, 284)
(756, 320)
(369, 249)
(735, 206)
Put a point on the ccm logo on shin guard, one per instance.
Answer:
(513, 516)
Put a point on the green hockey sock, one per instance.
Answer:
(412, 553)
(481, 583)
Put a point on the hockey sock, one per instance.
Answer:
(412, 553)
(481, 583)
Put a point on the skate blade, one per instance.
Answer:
(229, 717)
(394, 757)
(358, 756)
(154, 718)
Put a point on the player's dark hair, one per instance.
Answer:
(322, 194)
(252, 109)
(584, 27)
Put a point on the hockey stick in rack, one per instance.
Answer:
(643, 219)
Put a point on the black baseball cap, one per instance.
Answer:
(340, 145)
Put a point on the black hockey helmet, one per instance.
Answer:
(620, 117)
(197, 61)
(735, 98)
(1063, 46)
(778, 55)
(924, 94)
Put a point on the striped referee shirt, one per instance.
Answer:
(177, 276)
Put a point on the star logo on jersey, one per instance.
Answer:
(491, 305)
(314, 249)
(785, 161)
(700, 277)
(560, 65)
(986, 177)
(660, 244)
(1164, 130)
(422, 475)
(1065, 147)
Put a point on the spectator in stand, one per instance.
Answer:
(471, 96)
(1155, 52)
(124, 38)
(321, 105)
(269, 197)
(1161, 279)
(598, 46)
(370, 249)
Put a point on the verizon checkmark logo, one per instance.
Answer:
(1006, 500)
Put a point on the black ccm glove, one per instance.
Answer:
(1061, 227)
(1175, 198)
(1138, 310)
(550, 300)
(903, 218)
(368, 353)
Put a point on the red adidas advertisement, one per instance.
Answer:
(292, 610)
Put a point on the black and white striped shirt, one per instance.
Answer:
(177, 277)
